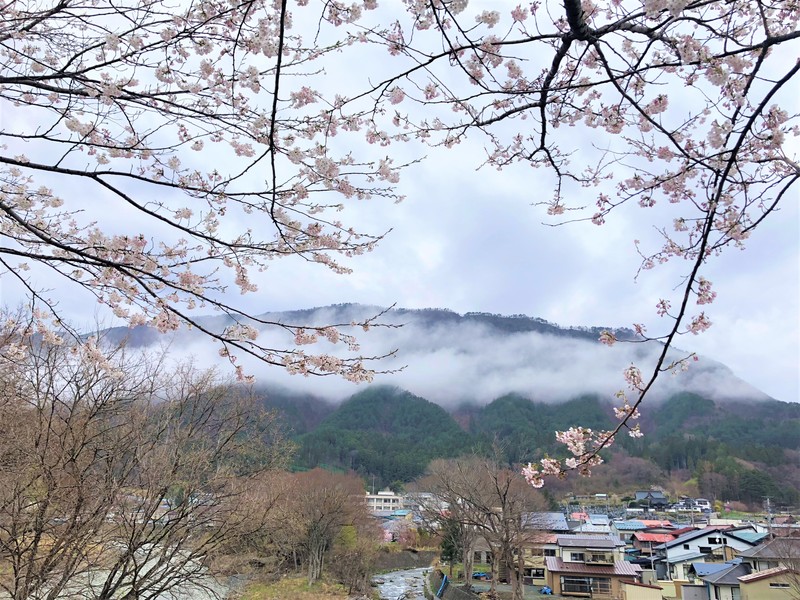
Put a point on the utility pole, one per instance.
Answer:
(769, 518)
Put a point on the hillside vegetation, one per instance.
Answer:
(733, 451)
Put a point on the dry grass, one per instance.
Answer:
(294, 588)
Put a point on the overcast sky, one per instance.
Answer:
(471, 240)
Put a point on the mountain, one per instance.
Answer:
(477, 382)
(475, 358)
(382, 431)
(740, 451)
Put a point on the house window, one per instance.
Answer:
(477, 557)
(704, 549)
(713, 540)
(536, 573)
(781, 586)
(686, 546)
(549, 551)
(586, 585)
(577, 557)
(597, 557)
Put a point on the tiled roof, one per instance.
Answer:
(654, 494)
(621, 568)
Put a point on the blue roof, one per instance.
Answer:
(702, 569)
(751, 537)
(629, 525)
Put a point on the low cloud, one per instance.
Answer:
(450, 359)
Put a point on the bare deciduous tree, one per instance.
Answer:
(323, 503)
(120, 475)
(495, 503)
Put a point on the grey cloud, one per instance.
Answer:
(453, 360)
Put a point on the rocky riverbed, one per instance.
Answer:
(402, 585)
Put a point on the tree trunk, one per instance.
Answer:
(513, 576)
(495, 571)
(315, 556)
(469, 561)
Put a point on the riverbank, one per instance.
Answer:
(392, 566)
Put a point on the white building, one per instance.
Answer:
(385, 500)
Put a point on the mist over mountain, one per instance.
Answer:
(452, 359)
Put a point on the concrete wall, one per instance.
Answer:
(639, 592)
(694, 592)
(451, 592)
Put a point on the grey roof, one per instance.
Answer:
(547, 521)
(729, 576)
(779, 548)
(691, 535)
(591, 528)
(683, 557)
(702, 569)
(596, 519)
(654, 494)
(555, 564)
(602, 542)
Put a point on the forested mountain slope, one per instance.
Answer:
(735, 451)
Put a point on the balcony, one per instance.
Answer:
(599, 559)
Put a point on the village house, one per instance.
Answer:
(651, 499)
(589, 566)
(765, 572)
(710, 544)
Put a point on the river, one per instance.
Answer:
(402, 585)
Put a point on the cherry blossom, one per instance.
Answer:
(666, 107)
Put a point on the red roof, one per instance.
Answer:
(579, 516)
(643, 536)
(654, 523)
(620, 568)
